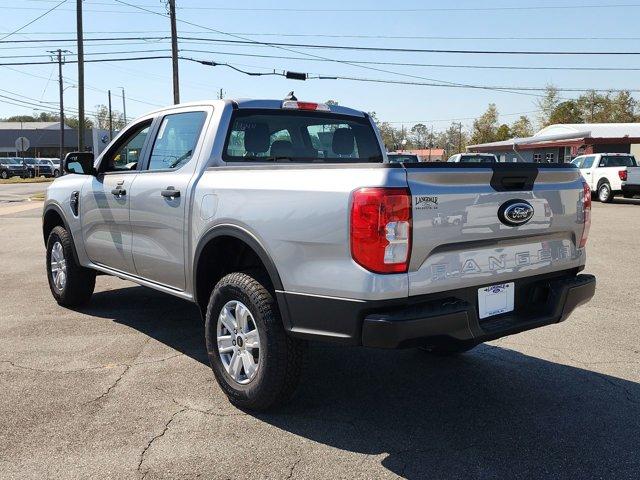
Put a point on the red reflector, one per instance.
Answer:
(623, 175)
(586, 209)
(381, 229)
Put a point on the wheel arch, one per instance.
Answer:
(247, 244)
(601, 181)
(53, 217)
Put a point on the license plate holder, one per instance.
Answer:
(496, 299)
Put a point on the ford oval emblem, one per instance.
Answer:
(515, 212)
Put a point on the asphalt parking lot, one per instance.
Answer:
(122, 389)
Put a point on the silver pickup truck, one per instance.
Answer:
(284, 223)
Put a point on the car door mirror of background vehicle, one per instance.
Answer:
(80, 163)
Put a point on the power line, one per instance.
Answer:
(408, 50)
(430, 65)
(248, 41)
(32, 21)
(256, 42)
(404, 82)
(329, 35)
(392, 10)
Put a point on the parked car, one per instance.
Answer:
(403, 158)
(48, 168)
(10, 167)
(631, 186)
(281, 238)
(37, 169)
(473, 158)
(605, 172)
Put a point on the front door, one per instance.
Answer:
(105, 202)
(160, 197)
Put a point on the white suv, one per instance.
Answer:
(605, 172)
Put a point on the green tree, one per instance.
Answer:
(421, 135)
(623, 107)
(594, 107)
(102, 118)
(547, 104)
(503, 133)
(485, 127)
(567, 112)
(522, 127)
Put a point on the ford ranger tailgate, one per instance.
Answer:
(481, 225)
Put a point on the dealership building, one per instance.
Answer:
(43, 139)
(563, 142)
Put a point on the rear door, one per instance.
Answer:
(462, 238)
(587, 170)
(105, 201)
(160, 196)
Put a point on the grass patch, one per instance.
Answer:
(26, 180)
(37, 197)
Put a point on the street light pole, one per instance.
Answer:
(80, 42)
(110, 118)
(58, 53)
(174, 51)
(124, 107)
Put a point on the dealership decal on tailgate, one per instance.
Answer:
(495, 299)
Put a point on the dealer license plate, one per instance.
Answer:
(495, 299)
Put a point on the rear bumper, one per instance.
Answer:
(631, 189)
(439, 318)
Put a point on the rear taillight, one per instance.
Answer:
(623, 175)
(586, 210)
(381, 229)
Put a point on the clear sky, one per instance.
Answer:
(462, 25)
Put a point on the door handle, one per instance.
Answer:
(170, 192)
(119, 192)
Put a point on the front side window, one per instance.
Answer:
(300, 136)
(126, 155)
(176, 140)
(588, 161)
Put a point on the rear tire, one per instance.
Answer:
(252, 380)
(71, 284)
(605, 195)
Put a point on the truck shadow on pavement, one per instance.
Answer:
(491, 413)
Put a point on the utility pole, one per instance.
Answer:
(174, 51)
(58, 53)
(124, 107)
(80, 42)
(459, 137)
(110, 118)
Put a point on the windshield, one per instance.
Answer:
(478, 158)
(618, 160)
(397, 158)
(300, 136)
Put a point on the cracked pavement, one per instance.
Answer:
(122, 389)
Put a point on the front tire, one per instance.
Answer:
(257, 365)
(4, 175)
(605, 195)
(71, 284)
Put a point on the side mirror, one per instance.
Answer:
(79, 162)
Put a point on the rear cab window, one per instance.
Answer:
(300, 136)
(618, 161)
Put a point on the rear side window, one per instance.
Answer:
(300, 136)
(176, 140)
(618, 161)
